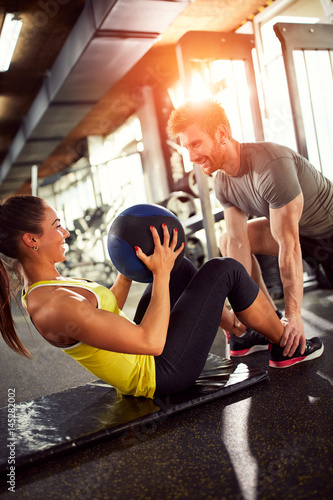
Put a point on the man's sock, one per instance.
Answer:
(279, 313)
(240, 336)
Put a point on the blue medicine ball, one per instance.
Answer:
(132, 228)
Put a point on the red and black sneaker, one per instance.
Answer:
(249, 343)
(314, 349)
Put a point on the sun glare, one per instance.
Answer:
(199, 89)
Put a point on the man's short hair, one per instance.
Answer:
(207, 114)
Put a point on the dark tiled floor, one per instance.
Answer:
(269, 441)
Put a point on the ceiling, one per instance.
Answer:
(78, 69)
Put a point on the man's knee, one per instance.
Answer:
(260, 237)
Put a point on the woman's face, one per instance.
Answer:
(52, 242)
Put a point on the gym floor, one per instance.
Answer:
(268, 441)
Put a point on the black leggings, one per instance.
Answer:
(197, 299)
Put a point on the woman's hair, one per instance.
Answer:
(18, 215)
(207, 114)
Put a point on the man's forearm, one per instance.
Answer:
(291, 272)
(241, 253)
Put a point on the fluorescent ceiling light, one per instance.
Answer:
(9, 35)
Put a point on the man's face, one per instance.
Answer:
(203, 149)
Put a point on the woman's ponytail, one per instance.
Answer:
(6, 319)
(18, 215)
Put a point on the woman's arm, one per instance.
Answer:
(69, 314)
(120, 289)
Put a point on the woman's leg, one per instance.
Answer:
(261, 316)
(195, 318)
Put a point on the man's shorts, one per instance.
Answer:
(319, 251)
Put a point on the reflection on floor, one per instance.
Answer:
(265, 442)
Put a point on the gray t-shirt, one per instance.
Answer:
(271, 176)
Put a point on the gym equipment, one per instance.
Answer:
(66, 421)
(181, 204)
(271, 274)
(132, 228)
(195, 251)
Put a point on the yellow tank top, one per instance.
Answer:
(130, 374)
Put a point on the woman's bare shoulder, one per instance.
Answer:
(53, 308)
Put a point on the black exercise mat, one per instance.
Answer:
(51, 425)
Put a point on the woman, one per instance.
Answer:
(166, 351)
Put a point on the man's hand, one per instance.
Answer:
(293, 335)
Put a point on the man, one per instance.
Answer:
(291, 201)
